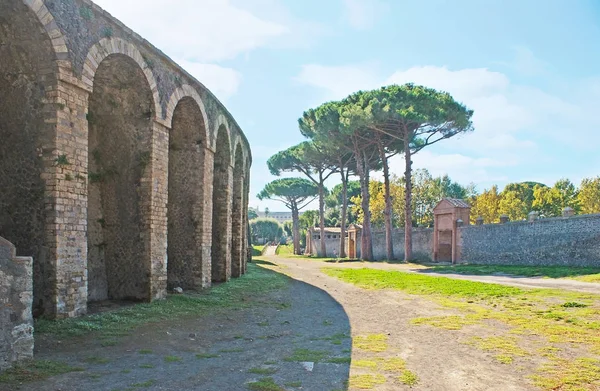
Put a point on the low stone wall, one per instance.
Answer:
(422, 244)
(332, 245)
(16, 298)
(564, 241)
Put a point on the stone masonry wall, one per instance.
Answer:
(422, 244)
(16, 296)
(56, 63)
(564, 241)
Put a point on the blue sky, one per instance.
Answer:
(530, 69)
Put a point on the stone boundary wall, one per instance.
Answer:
(560, 241)
(16, 298)
(422, 244)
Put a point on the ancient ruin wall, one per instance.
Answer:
(69, 43)
(422, 244)
(187, 146)
(119, 118)
(25, 75)
(16, 296)
(564, 241)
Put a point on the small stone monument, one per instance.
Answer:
(479, 221)
(533, 216)
(504, 219)
(568, 212)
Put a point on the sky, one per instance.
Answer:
(530, 70)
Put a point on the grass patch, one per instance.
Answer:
(147, 366)
(420, 284)
(235, 294)
(97, 360)
(339, 360)
(301, 355)
(206, 355)
(506, 347)
(371, 342)
(35, 370)
(264, 384)
(294, 384)
(257, 250)
(285, 249)
(569, 375)
(589, 274)
(262, 371)
(368, 364)
(145, 351)
(173, 359)
(538, 316)
(366, 381)
(409, 378)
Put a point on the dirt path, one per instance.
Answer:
(222, 350)
(269, 250)
(523, 282)
(439, 358)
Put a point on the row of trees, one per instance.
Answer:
(516, 200)
(359, 134)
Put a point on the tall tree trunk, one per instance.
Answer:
(322, 213)
(389, 245)
(295, 229)
(407, 198)
(344, 212)
(366, 244)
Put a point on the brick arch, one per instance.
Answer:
(238, 144)
(183, 92)
(107, 46)
(49, 24)
(222, 122)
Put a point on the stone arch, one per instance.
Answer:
(120, 120)
(237, 219)
(111, 46)
(222, 124)
(180, 93)
(221, 217)
(187, 265)
(29, 162)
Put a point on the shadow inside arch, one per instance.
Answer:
(263, 327)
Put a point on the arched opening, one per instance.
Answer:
(121, 110)
(221, 218)
(237, 217)
(27, 141)
(186, 197)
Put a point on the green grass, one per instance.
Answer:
(339, 360)
(301, 355)
(147, 366)
(420, 284)
(206, 355)
(265, 384)
(257, 250)
(172, 359)
(588, 274)
(409, 378)
(35, 370)
(285, 249)
(121, 322)
(294, 384)
(262, 371)
(530, 318)
(366, 381)
(97, 360)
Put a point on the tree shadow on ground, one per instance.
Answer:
(261, 328)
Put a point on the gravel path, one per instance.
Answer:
(439, 358)
(231, 344)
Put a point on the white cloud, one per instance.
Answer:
(336, 82)
(362, 14)
(203, 31)
(221, 81)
